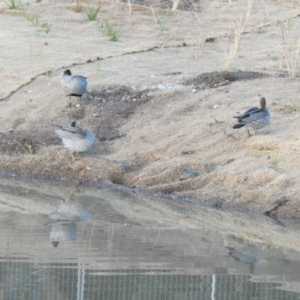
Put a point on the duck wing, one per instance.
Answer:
(79, 77)
(70, 133)
(248, 114)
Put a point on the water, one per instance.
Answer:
(115, 244)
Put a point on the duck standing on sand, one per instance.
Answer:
(73, 85)
(255, 117)
(74, 138)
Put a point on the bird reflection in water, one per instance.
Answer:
(244, 252)
(66, 216)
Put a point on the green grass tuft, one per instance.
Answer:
(92, 12)
(27, 148)
(111, 31)
(13, 4)
(162, 25)
(34, 19)
(274, 161)
(47, 27)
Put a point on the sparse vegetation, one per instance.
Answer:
(13, 4)
(293, 107)
(162, 25)
(240, 28)
(27, 148)
(290, 48)
(47, 26)
(34, 19)
(287, 22)
(274, 161)
(98, 68)
(78, 7)
(111, 31)
(293, 57)
(159, 20)
(92, 12)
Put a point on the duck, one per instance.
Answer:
(254, 117)
(75, 138)
(73, 85)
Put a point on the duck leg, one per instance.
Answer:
(249, 134)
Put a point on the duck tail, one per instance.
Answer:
(237, 126)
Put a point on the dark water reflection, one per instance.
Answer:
(101, 244)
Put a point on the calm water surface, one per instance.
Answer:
(67, 242)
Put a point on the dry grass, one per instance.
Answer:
(290, 56)
(240, 28)
(51, 163)
(289, 46)
(78, 8)
(175, 4)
